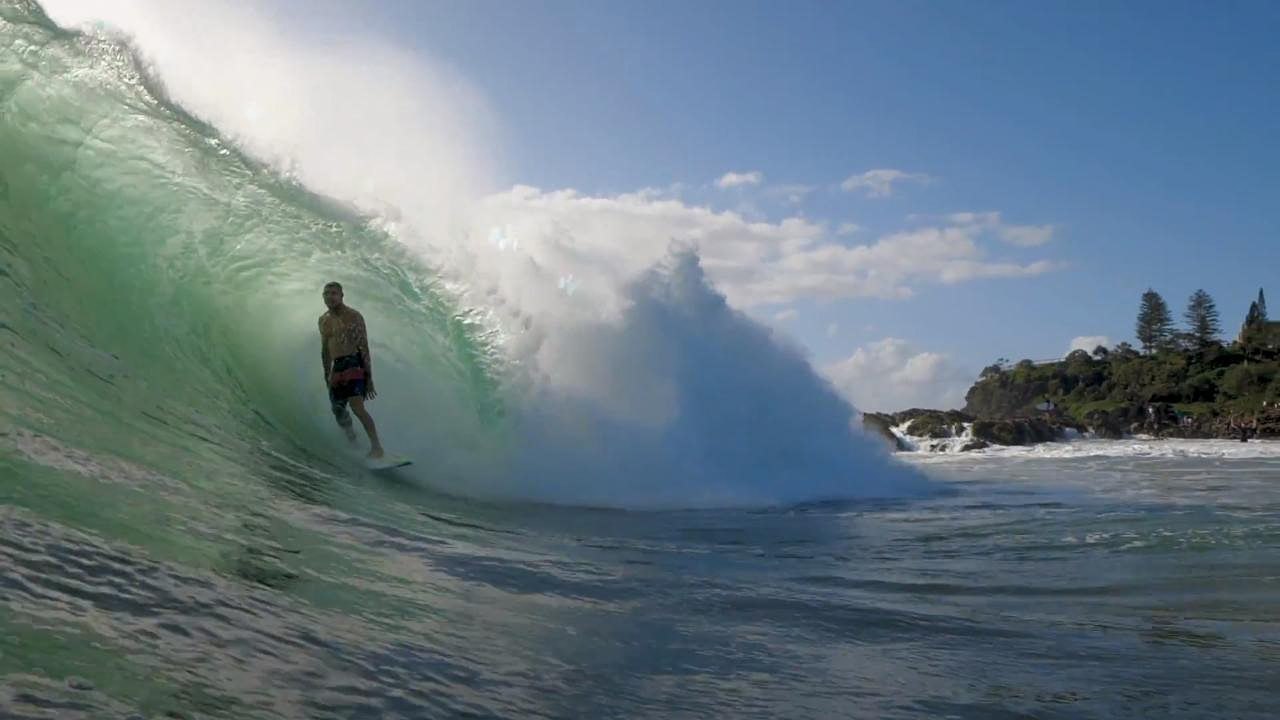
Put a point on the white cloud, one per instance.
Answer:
(890, 375)
(982, 219)
(1026, 235)
(733, 179)
(832, 329)
(848, 228)
(793, 193)
(608, 239)
(784, 315)
(879, 182)
(1088, 342)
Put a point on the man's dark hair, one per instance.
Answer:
(333, 285)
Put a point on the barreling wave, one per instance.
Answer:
(158, 299)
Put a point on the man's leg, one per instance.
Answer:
(340, 414)
(357, 407)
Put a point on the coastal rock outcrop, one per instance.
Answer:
(934, 424)
(880, 425)
(956, 431)
(1019, 431)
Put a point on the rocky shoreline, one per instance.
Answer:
(961, 431)
(958, 431)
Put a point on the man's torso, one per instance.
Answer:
(341, 332)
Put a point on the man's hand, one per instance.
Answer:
(369, 392)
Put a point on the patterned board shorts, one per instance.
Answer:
(346, 380)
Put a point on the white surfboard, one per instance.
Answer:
(387, 461)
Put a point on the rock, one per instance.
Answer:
(1020, 431)
(1269, 423)
(879, 425)
(1104, 425)
(975, 445)
(933, 424)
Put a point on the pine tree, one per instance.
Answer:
(1155, 327)
(1203, 327)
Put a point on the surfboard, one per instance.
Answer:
(387, 461)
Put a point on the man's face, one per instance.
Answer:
(332, 297)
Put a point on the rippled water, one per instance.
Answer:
(1095, 586)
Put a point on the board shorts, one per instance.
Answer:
(346, 380)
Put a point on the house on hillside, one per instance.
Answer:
(1257, 331)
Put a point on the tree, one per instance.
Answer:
(1202, 319)
(1101, 352)
(1080, 357)
(1155, 328)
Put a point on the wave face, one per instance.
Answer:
(160, 296)
(160, 288)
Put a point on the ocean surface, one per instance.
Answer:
(1104, 580)
(184, 535)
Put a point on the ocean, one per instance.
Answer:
(184, 535)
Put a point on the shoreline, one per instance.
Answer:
(928, 430)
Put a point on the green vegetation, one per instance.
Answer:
(1155, 327)
(1202, 320)
(1186, 383)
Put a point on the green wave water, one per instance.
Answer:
(159, 288)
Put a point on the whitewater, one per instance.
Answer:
(630, 499)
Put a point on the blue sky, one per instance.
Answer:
(1138, 138)
(1146, 133)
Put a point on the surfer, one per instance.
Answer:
(344, 349)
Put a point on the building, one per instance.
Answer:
(1257, 331)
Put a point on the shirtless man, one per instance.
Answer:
(344, 348)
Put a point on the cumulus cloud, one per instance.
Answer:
(890, 375)
(793, 193)
(1024, 235)
(784, 315)
(607, 239)
(1088, 342)
(879, 182)
(733, 179)
(848, 228)
(983, 219)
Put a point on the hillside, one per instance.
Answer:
(1206, 392)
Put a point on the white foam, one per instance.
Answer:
(921, 444)
(1137, 447)
(349, 115)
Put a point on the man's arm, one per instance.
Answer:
(362, 344)
(324, 352)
